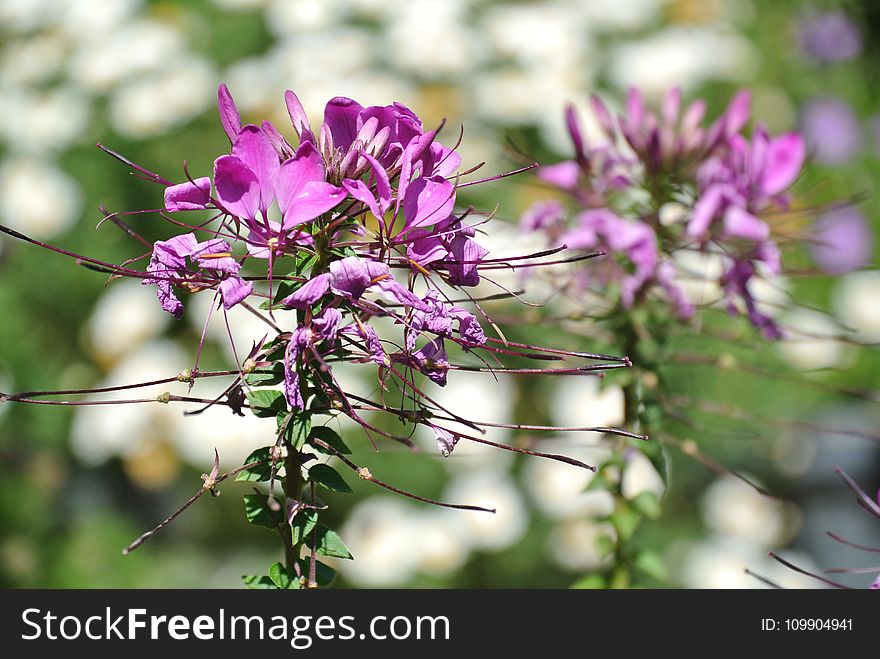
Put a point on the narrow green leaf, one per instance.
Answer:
(266, 402)
(327, 476)
(651, 563)
(647, 504)
(590, 582)
(256, 508)
(330, 437)
(297, 430)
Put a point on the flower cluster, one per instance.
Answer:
(360, 258)
(721, 184)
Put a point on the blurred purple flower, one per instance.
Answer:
(830, 37)
(842, 241)
(831, 130)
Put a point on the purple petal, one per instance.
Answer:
(327, 324)
(216, 254)
(253, 148)
(785, 157)
(602, 114)
(238, 190)
(563, 175)
(303, 194)
(291, 377)
(309, 293)
(298, 116)
(396, 292)
(705, 210)
(233, 290)
(168, 300)
(428, 201)
(188, 196)
(229, 117)
(574, 131)
(466, 255)
(341, 119)
(424, 247)
(282, 146)
(739, 223)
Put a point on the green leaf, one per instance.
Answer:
(330, 544)
(652, 564)
(256, 507)
(259, 583)
(259, 473)
(282, 578)
(328, 477)
(330, 437)
(324, 574)
(297, 429)
(303, 524)
(267, 402)
(266, 376)
(647, 504)
(604, 545)
(590, 582)
(625, 520)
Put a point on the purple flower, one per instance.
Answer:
(168, 266)
(842, 241)
(830, 37)
(249, 180)
(372, 343)
(188, 196)
(744, 181)
(432, 360)
(438, 317)
(350, 278)
(736, 286)
(831, 130)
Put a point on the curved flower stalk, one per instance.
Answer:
(352, 222)
(692, 215)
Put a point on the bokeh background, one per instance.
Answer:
(141, 77)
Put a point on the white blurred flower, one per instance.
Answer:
(49, 120)
(475, 396)
(127, 315)
(381, 534)
(343, 52)
(574, 545)
(614, 15)
(37, 198)
(734, 509)
(490, 490)
(720, 562)
(810, 343)
(89, 21)
(242, 4)
(680, 56)
(442, 544)
(640, 475)
(855, 302)
(559, 489)
(153, 105)
(302, 17)
(125, 55)
(546, 33)
(17, 16)
(32, 60)
(583, 401)
(432, 39)
(700, 274)
(245, 327)
(101, 432)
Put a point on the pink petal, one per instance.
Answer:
(739, 223)
(309, 293)
(341, 119)
(233, 290)
(785, 157)
(238, 190)
(428, 201)
(563, 175)
(229, 117)
(188, 196)
(253, 148)
(297, 115)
